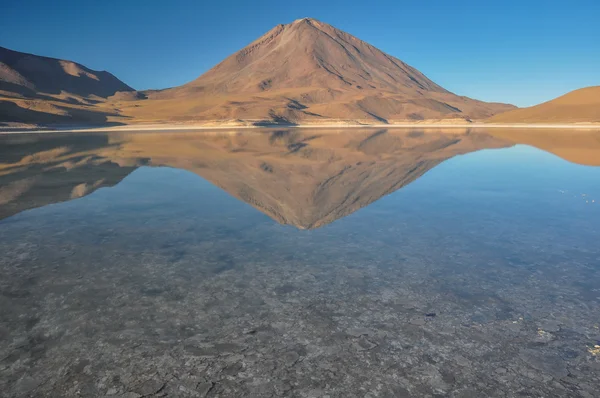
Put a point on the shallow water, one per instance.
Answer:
(301, 264)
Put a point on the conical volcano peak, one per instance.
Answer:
(309, 69)
(310, 54)
(308, 21)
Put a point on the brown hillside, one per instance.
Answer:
(36, 89)
(578, 106)
(29, 74)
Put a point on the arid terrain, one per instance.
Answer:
(305, 72)
(237, 200)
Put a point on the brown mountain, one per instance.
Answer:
(36, 89)
(579, 106)
(309, 71)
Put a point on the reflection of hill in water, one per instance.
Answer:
(37, 171)
(306, 178)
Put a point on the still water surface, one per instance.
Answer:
(366, 263)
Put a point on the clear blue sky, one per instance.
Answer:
(518, 51)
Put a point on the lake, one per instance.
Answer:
(300, 263)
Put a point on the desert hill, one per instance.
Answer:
(36, 89)
(29, 74)
(578, 106)
(309, 71)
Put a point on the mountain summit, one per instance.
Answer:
(309, 53)
(309, 70)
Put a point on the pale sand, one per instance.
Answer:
(176, 127)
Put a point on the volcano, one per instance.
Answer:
(309, 71)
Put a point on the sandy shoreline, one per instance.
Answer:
(178, 127)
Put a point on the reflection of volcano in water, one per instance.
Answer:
(309, 180)
(306, 178)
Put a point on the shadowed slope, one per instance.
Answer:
(36, 89)
(29, 74)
